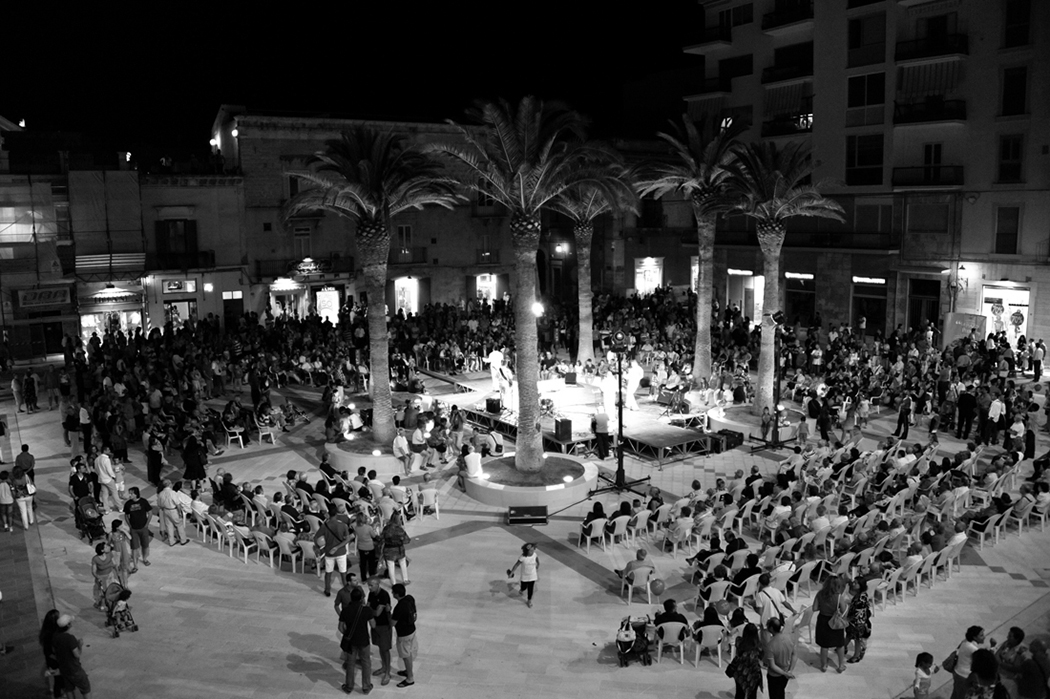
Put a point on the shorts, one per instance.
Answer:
(333, 562)
(140, 539)
(383, 636)
(78, 679)
(407, 646)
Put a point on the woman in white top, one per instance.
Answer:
(530, 571)
(964, 653)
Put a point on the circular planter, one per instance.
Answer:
(554, 492)
(352, 455)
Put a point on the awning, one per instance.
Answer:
(786, 100)
(938, 78)
(706, 108)
(918, 269)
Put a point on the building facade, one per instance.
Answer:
(929, 121)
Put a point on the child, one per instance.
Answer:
(530, 570)
(924, 669)
(7, 501)
(118, 473)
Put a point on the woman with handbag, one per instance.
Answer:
(859, 618)
(23, 490)
(959, 662)
(831, 622)
(394, 539)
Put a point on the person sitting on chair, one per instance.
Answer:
(631, 569)
(670, 614)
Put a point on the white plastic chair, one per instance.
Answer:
(263, 543)
(428, 498)
(619, 528)
(711, 638)
(286, 551)
(642, 579)
(639, 524)
(233, 433)
(243, 544)
(264, 430)
(671, 633)
(595, 529)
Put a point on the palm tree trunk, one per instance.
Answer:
(525, 234)
(705, 279)
(770, 240)
(373, 244)
(584, 233)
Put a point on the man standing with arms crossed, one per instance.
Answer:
(780, 659)
(404, 618)
(137, 513)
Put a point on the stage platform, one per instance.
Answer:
(645, 434)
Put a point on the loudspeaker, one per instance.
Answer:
(527, 515)
(570, 378)
(563, 429)
(644, 383)
(665, 397)
(733, 439)
(494, 405)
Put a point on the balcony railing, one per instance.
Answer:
(408, 256)
(933, 46)
(779, 18)
(201, 259)
(788, 126)
(774, 74)
(487, 257)
(815, 239)
(928, 176)
(930, 110)
(716, 33)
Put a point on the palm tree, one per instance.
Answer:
(369, 177)
(609, 190)
(771, 184)
(699, 170)
(524, 157)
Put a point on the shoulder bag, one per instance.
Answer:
(838, 619)
(346, 645)
(952, 660)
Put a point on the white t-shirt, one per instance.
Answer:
(473, 461)
(770, 602)
(530, 567)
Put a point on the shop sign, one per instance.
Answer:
(33, 298)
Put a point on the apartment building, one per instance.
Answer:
(436, 255)
(929, 122)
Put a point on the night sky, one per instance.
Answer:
(136, 80)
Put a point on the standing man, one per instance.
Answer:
(780, 659)
(967, 408)
(26, 462)
(342, 598)
(996, 414)
(353, 624)
(68, 649)
(903, 417)
(137, 514)
(495, 360)
(601, 433)
(107, 479)
(171, 514)
(382, 631)
(332, 538)
(85, 424)
(404, 618)
(1037, 361)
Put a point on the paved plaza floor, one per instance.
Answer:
(213, 626)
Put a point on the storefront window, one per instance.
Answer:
(869, 303)
(179, 312)
(648, 274)
(406, 295)
(486, 287)
(1006, 309)
(800, 299)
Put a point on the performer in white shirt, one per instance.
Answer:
(495, 360)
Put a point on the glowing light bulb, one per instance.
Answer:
(567, 479)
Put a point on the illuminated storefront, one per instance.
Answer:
(110, 308)
(1006, 308)
(648, 274)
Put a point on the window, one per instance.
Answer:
(1015, 23)
(931, 154)
(866, 90)
(293, 186)
(301, 247)
(176, 236)
(485, 200)
(864, 160)
(1007, 229)
(936, 26)
(927, 218)
(1011, 163)
(1015, 91)
(735, 16)
(403, 241)
(866, 40)
(729, 68)
(231, 295)
(872, 218)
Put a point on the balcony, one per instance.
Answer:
(712, 86)
(845, 240)
(776, 74)
(710, 38)
(407, 256)
(487, 257)
(928, 176)
(947, 45)
(201, 259)
(930, 110)
(788, 19)
(788, 126)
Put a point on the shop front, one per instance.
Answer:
(648, 274)
(187, 298)
(290, 298)
(110, 308)
(40, 318)
(1005, 306)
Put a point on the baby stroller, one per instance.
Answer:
(118, 612)
(88, 519)
(633, 637)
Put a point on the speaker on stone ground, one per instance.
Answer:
(570, 378)
(494, 405)
(563, 429)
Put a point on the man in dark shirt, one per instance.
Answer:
(382, 631)
(342, 597)
(404, 618)
(670, 613)
(353, 624)
(79, 484)
(137, 514)
(67, 649)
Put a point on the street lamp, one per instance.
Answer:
(620, 483)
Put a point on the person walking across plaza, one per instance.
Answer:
(332, 538)
(404, 618)
(779, 658)
(137, 513)
(382, 631)
(353, 625)
(26, 462)
(68, 650)
(530, 571)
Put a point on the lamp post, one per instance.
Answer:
(620, 483)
